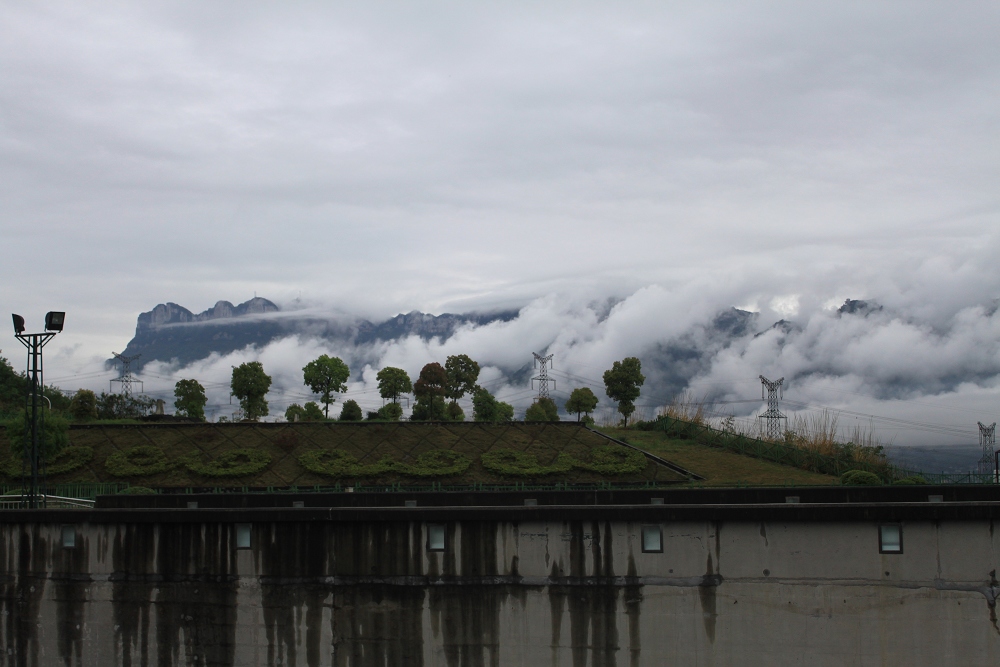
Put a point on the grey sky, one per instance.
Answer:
(384, 157)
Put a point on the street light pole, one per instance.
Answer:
(35, 342)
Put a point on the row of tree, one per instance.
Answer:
(437, 390)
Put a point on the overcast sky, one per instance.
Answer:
(382, 157)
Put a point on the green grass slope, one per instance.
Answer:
(369, 443)
(718, 466)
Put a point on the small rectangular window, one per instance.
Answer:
(409, 503)
(69, 536)
(435, 537)
(652, 539)
(935, 499)
(656, 501)
(890, 538)
(794, 500)
(243, 536)
(192, 504)
(298, 503)
(531, 502)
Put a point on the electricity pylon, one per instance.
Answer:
(543, 376)
(772, 416)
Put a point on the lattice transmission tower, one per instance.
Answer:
(542, 363)
(988, 441)
(772, 416)
(126, 379)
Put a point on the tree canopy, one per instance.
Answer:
(622, 382)
(430, 390)
(463, 373)
(542, 410)
(351, 412)
(191, 399)
(326, 376)
(250, 385)
(83, 405)
(392, 383)
(486, 408)
(581, 401)
(310, 412)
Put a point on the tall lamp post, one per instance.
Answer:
(35, 342)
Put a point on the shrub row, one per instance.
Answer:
(234, 463)
(604, 460)
(335, 463)
(145, 460)
(66, 460)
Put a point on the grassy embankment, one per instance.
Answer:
(719, 467)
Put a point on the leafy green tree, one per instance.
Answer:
(52, 434)
(581, 401)
(310, 412)
(313, 413)
(351, 412)
(250, 385)
(542, 410)
(455, 412)
(390, 412)
(12, 387)
(463, 373)
(430, 390)
(622, 382)
(83, 405)
(393, 382)
(326, 376)
(118, 406)
(486, 408)
(191, 399)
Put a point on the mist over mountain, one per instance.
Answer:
(911, 375)
(173, 334)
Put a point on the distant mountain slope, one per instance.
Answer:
(170, 332)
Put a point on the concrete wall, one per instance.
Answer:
(138, 591)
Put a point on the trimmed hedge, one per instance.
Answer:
(512, 463)
(605, 460)
(335, 463)
(436, 463)
(137, 462)
(860, 478)
(67, 460)
(614, 460)
(137, 491)
(234, 463)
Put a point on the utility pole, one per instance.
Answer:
(543, 375)
(772, 416)
(126, 379)
(988, 441)
(35, 420)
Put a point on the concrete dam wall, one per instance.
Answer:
(884, 583)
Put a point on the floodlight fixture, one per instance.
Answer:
(54, 320)
(18, 324)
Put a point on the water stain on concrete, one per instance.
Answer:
(24, 555)
(71, 580)
(707, 595)
(633, 610)
(133, 558)
(376, 625)
(196, 601)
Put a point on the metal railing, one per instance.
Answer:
(20, 501)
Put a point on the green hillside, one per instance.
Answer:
(351, 454)
(718, 466)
